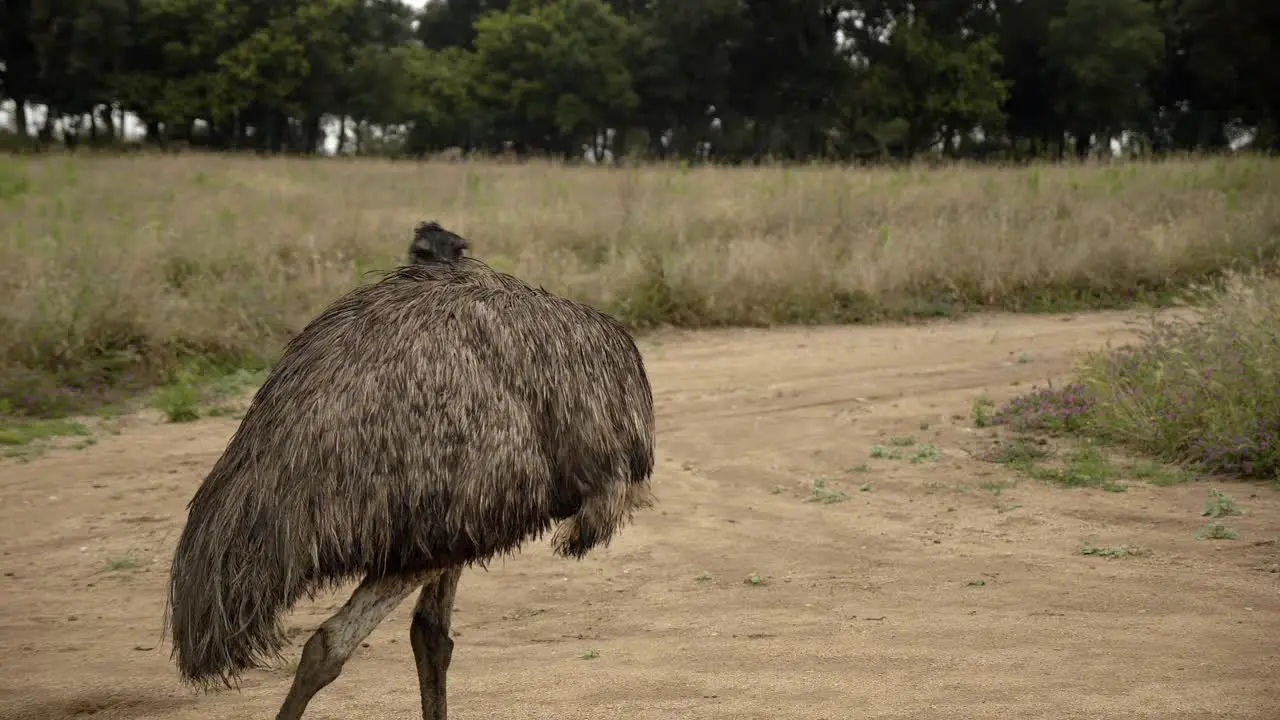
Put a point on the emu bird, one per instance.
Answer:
(433, 420)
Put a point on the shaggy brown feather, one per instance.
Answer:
(437, 418)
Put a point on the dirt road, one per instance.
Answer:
(933, 591)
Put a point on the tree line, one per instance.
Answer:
(725, 80)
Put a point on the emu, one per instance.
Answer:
(422, 424)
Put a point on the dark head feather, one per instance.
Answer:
(433, 244)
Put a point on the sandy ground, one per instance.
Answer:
(926, 595)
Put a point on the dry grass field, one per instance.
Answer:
(114, 269)
(861, 520)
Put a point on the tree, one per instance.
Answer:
(1234, 57)
(684, 68)
(934, 87)
(1103, 53)
(19, 68)
(556, 75)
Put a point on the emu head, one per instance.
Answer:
(433, 244)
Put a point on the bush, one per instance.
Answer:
(1201, 389)
(1204, 389)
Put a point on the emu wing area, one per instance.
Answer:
(418, 423)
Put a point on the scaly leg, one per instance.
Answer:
(432, 646)
(328, 649)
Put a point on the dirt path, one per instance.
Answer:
(927, 595)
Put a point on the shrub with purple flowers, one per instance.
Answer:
(1065, 409)
(1203, 391)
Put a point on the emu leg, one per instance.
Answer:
(328, 649)
(432, 646)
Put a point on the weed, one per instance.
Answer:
(995, 487)
(1159, 474)
(1219, 504)
(926, 453)
(1020, 453)
(195, 387)
(1112, 553)
(822, 493)
(861, 468)
(702, 576)
(1216, 530)
(756, 579)
(180, 402)
(1085, 467)
(902, 441)
(121, 564)
(590, 654)
(888, 453)
(983, 412)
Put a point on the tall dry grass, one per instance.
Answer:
(115, 269)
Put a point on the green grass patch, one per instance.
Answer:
(196, 392)
(1160, 474)
(1086, 467)
(16, 432)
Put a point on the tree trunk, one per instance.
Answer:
(107, 117)
(46, 130)
(312, 134)
(20, 117)
(1082, 145)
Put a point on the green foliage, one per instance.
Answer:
(561, 69)
(1101, 52)
(696, 79)
(935, 84)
